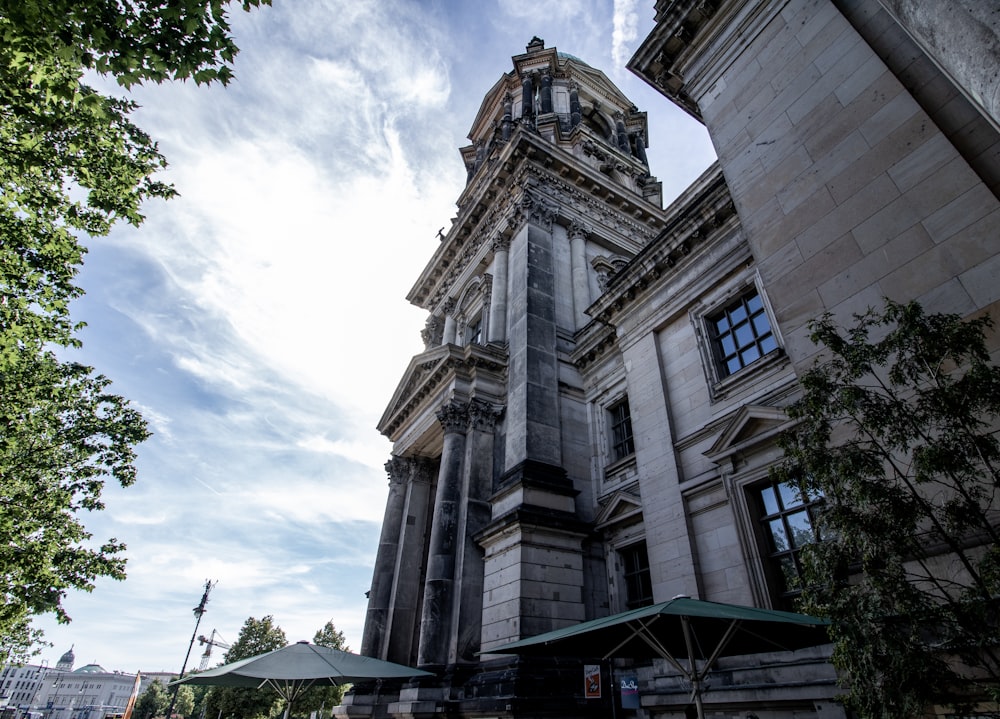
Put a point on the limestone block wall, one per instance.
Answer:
(846, 188)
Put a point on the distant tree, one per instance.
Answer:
(152, 702)
(184, 704)
(322, 698)
(257, 636)
(898, 432)
(72, 164)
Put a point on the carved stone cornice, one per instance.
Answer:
(491, 209)
(708, 213)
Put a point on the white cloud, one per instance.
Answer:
(625, 30)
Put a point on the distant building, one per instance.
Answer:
(90, 692)
(591, 423)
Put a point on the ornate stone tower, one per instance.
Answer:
(487, 533)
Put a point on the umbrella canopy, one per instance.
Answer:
(293, 669)
(681, 629)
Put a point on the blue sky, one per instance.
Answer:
(259, 320)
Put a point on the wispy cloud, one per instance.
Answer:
(259, 320)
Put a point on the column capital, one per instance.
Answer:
(532, 208)
(454, 417)
(398, 469)
(483, 415)
(576, 229)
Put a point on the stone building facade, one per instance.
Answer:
(592, 421)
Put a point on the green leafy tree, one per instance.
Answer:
(152, 702)
(257, 636)
(72, 164)
(897, 431)
(323, 698)
(184, 704)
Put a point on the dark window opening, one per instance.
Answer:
(787, 523)
(635, 567)
(622, 444)
(741, 334)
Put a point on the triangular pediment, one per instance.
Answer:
(749, 426)
(622, 507)
(421, 367)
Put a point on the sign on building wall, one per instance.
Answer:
(630, 692)
(592, 681)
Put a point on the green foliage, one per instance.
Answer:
(72, 164)
(152, 702)
(257, 636)
(184, 704)
(898, 432)
(323, 698)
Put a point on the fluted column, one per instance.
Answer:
(450, 327)
(579, 272)
(439, 585)
(385, 559)
(498, 297)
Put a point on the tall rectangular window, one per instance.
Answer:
(635, 569)
(787, 522)
(741, 334)
(621, 431)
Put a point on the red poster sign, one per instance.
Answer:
(592, 681)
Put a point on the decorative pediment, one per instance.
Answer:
(622, 507)
(479, 370)
(751, 425)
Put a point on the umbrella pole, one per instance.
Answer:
(695, 674)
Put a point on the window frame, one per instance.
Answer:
(740, 316)
(624, 447)
(721, 385)
(638, 577)
(773, 558)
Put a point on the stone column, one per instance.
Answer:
(498, 298)
(385, 560)
(546, 94)
(507, 123)
(473, 517)
(621, 133)
(399, 644)
(579, 271)
(963, 38)
(527, 96)
(439, 585)
(575, 111)
(450, 329)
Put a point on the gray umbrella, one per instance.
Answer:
(682, 628)
(293, 669)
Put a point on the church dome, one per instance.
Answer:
(91, 669)
(66, 660)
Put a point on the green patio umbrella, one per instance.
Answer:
(681, 629)
(293, 669)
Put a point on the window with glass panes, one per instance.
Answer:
(621, 431)
(474, 332)
(787, 521)
(638, 585)
(741, 334)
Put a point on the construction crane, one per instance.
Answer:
(213, 641)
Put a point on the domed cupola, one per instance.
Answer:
(65, 662)
(561, 98)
